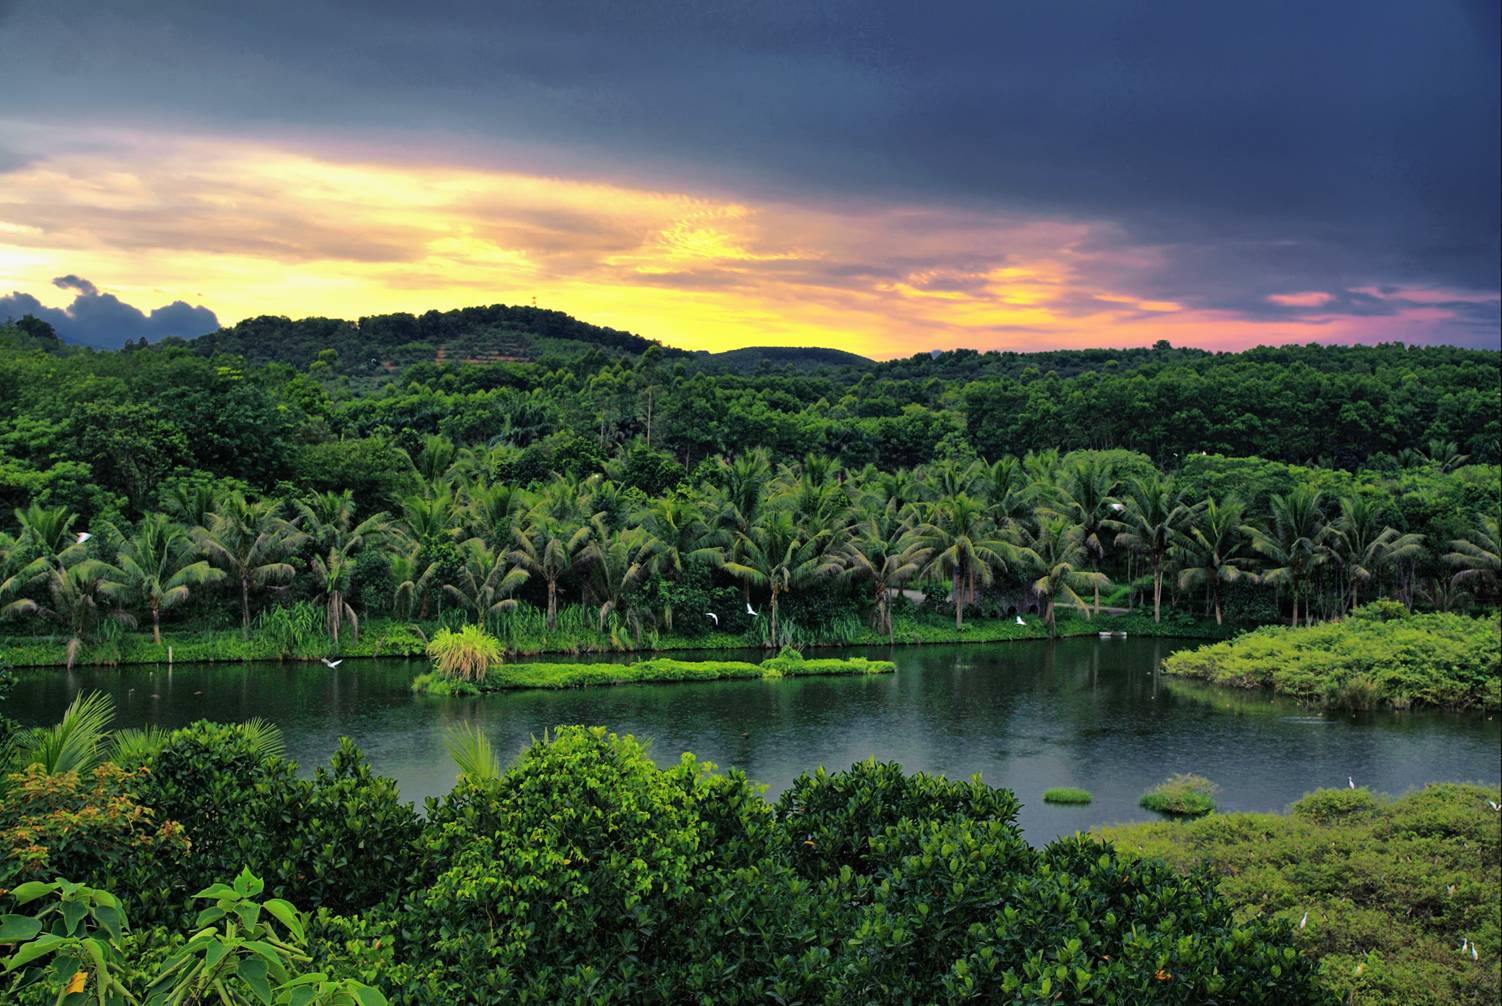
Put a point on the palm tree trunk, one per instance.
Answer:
(245, 607)
(774, 618)
(1157, 589)
(552, 604)
(156, 625)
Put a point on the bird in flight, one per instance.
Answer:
(333, 663)
(712, 617)
(750, 610)
(83, 536)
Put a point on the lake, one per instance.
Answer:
(1093, 713)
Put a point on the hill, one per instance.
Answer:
(386, 343)
(762, 359)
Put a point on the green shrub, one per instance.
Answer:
(1389, 886)
(1381, 654)
(1066, 794)
(467, 653)
(1182, 796)
(538, 674)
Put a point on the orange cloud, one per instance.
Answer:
(251, 228)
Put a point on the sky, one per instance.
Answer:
(881, 177)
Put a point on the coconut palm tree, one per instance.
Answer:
(1053, 554)
(1084, 497)
(413, 580)
(619, 564)
(1152, 518)
(47, 533)
(1296, 545)
(781, 557)
(485, 582)
(550, 548)
(156, 568)
(1475, 559)
(965, 545)
(1007, 492)
(883, 552)
(251, 542)
(1365, 546)
(71, 599)
(1212, 553)
(680, 535)
(328, 520)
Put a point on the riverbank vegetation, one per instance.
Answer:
(610, 490)
(1389, 896)
(1066, 794)
(535, 674)
(1382, 654)
(586, 872)
(1181, 796)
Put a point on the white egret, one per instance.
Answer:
(1020, 621)
(1350, 782)
(333, 663)
(1304, 921)
(750, 610)
(83, 536)
(1494, 805)
(713, 618)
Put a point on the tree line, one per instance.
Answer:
(747, 544)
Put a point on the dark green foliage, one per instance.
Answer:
(1181, 796)
(1387, 889)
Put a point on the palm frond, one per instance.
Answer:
(472, 753)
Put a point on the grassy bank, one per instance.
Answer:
(291, 637)
(1382, 654)
(1390, 888)
(658, 669)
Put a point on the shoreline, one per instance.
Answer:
(394, 640)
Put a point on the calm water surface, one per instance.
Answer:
(1025, 715)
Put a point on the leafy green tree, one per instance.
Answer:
(485, 581)
(964, 545)
(1366, 547)
(1212, 552)
(328, 520)
(619, 566)
(1475, 558)
(1084, 498)
(1152, 516)
(251, 542)
(156, 569)
(1053, 554)
(780, 557)
(1296, 544)
(884, 552)
(550, 548)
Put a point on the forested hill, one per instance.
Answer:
(385, 343)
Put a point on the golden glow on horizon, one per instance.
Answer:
(248, 228)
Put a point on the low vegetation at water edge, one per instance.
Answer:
(535, 674)
(1066, 794)
(1397, 899)
(1181, 796)
(1382, 654)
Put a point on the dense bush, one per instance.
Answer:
(1386, 889)
(587, 874)
(1382, 653)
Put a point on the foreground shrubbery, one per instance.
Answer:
(1390, 888)
(788, 663)
(587, 874)
(1382, 654)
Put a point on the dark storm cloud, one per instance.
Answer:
(1306, 146)
(104, 321)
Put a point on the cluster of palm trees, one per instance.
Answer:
(1046, 527)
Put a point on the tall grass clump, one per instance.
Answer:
(467, 653)
(1181, 796)
(1066, 794)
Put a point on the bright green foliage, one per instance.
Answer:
(1389, 887)
(69, 942)
(789, 663)
(467, 653)
(1382, 654)
(1066, 794)
(1181, 796)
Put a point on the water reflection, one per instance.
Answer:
(1089, 713)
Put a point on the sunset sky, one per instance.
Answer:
(885, 178)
